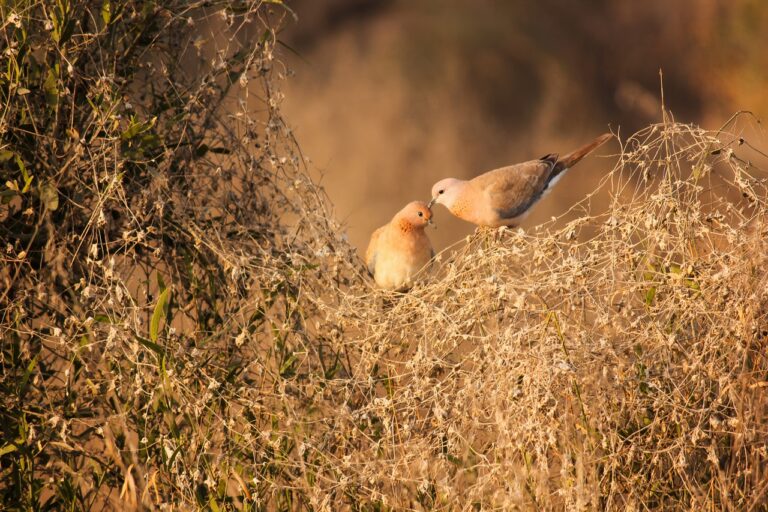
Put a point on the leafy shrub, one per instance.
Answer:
(183, 322)
(143, 243)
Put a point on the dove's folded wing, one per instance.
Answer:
(512, 190)
(370, 253)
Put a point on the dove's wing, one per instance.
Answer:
(511, 190)
(370, 253)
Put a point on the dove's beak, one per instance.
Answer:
(433, 201)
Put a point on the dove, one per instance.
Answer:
(502, 197)
(400, 249)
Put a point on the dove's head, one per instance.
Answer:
(446, 192)
(416, 214)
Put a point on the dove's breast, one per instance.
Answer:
(472, 206)
(401, 254)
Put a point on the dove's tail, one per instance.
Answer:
(567, 161)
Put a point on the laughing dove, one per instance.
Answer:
(400, 249)
(503, 196)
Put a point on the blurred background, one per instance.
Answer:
(388, 96)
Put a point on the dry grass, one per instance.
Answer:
(190, 327)
(617, 363)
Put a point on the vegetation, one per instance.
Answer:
(184, 325)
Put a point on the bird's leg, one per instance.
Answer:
(483, 232)
(390, 300)
(503, 230)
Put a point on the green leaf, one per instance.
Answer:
(6, 155)
(6, 196)
(8, 449)
(51, 90)
(22, 167)
(453, 460)
(287, 369)
(50, 196)
(27, 374)
(154, 325)
(151, 346)
(169, 463)
(106, 12)
(650, 295)
(62, 21)
(137, 127)
(24, 173)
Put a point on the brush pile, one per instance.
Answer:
(183, 322)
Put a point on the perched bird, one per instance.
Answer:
(399, 249)
(503, 196)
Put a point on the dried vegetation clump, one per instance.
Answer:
(184, 324)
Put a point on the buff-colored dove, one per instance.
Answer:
(503, 196)
(400, 249)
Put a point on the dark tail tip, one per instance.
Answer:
(573, 157)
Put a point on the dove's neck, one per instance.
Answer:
(406, 226)
(452, 193)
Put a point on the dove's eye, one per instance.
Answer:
(421, 214)
(440, 191)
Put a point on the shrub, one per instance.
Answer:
(183, 322)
